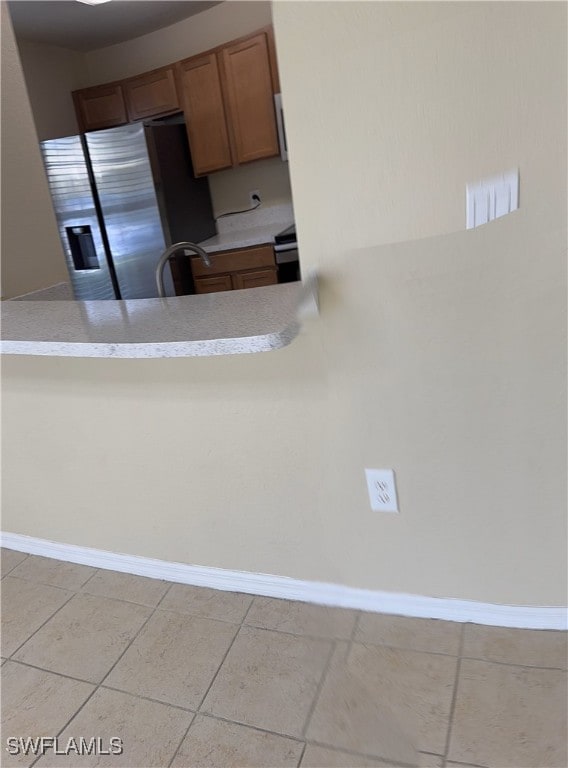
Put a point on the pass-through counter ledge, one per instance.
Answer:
(225, 323)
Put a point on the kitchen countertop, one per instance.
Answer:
(230, 322)
(243, 238)
(58, 292)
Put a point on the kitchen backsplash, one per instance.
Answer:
(263, 216)
(230, 189)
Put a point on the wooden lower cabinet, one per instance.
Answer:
(235, 270)
(255, 279)
(213, 284)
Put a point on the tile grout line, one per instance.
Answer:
(291, 634)
(41, 626)
(122, 600)
(404, 648)
(39, 583)
(15, 566)
(454, 697)
(73, 716)
(355, 627)
(243, 620)
(510, 664)
(392, 763)
(353, 634)
(258, 728)
(47, 583)
(147, 698)
(183, 738)
(319, 688)
(431, 754)
(218, 718)
(100, 683)
(302, 753)
(81, 591)
(92, 576)
(51, 672)
(198, 708)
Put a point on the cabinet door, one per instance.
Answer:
(247, 81)
(255, 279)
(257, 257)
(213, 284)
(100, 107)
(153, 93)
(202, 99)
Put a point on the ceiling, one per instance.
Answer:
(71, 24)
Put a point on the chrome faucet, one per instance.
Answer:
(169, 252)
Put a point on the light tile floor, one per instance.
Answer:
(188, 676)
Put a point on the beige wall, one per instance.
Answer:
(443, 357)
(51, 73)
(207, 29)
(402, 104)
(32, 256)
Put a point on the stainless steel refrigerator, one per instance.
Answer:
(121, 196)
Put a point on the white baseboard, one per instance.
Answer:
(400, 604)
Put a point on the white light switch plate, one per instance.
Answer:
(491, 198)
(382, 490)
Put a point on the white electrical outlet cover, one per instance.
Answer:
(382, 490)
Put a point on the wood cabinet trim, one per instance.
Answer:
(268, 31)
(258, 119)
(239, 139)
(236, 260)
(151, 74)
(213, 284)
(171, 103)
(172, 72)
(229, 123)
(224, 157)
(81, 98)
(261, 277)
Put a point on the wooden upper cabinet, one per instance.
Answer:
(202, 101)
(150, 94)
(228, 99)
(226, 94)
(248, 85)
(100, 107)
